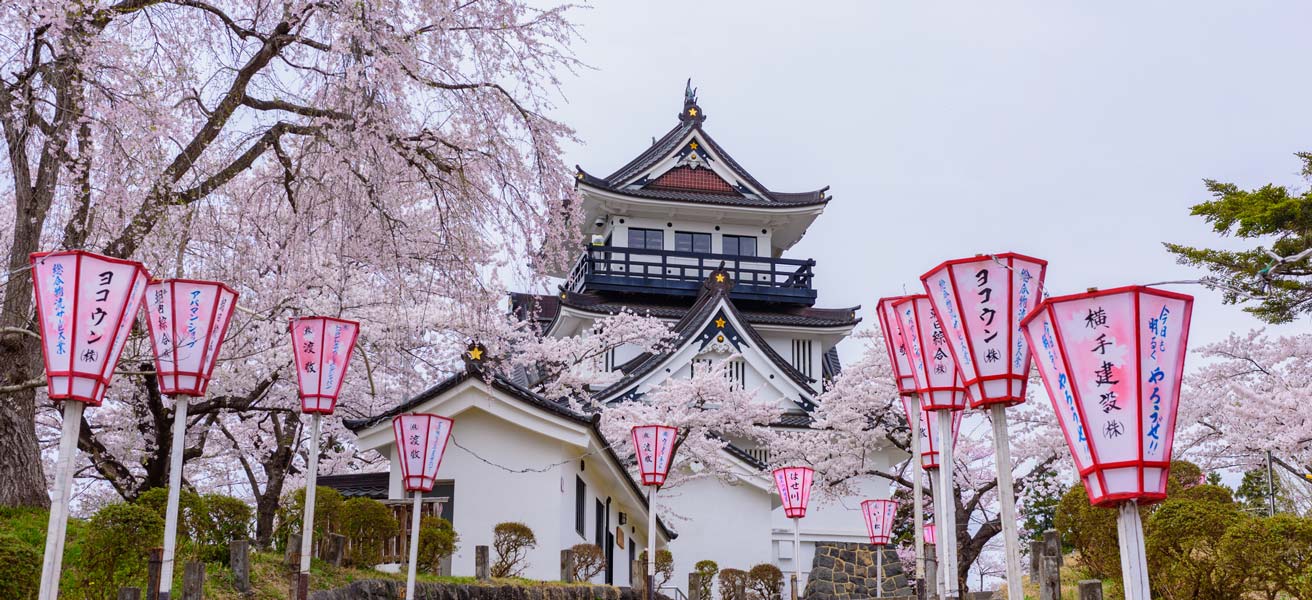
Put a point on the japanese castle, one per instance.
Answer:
(684, 233)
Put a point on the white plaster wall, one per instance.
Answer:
(728, 524)
(600, 487)
(620, 231)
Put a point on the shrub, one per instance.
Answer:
(191, 517)
(589, 560)
(226, 519)
(512, 541)
(732, 582)
(367, 523)
(765, 581)
(706, 570)
(1091, 532)
(437, 540)
(327, 518)
(117, 539)
(1183, 539)
(664, 566)
(20, 567)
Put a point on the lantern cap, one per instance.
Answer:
(1095, 292)
(979, 257)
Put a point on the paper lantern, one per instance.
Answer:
(85, 305)
(929, 441)
(322, 347)
(794, 485)
(654, 446)
(893, 344)
(1112, 362)
(421, 440)
(187, 320)
(879, 519)
(930, 536)
(937, 380)
(980, 303)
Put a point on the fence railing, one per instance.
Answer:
(617, 268)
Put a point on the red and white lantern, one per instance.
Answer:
(654, 446)
(187, 320)
(929, 437)
(794, 485)
(879, 519)
(322, 347)
(898, 359)
(421, 439)
(937, 380)
(1112, 362)
(85, 306)
(931, 536)
(980, 303)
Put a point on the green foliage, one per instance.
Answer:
(706, 571)
(366, 523)
(191, 517)
(1271, 212)
(1091, 532)
(1040, 508)
(1252, 493)
(437, 540)
(589, 560)
(512, 541)
(731, 581)
(765, 582)
(1271, 554)
(1184, 536)
(327, 514)
(20, 567)
(226, 519)
(664, 565)
(117, 540)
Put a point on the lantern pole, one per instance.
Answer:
(1134, 558)
(797, 553)
(414, 546)
(948, 520)
(917, 487)
(175, 491)
(879, 562)
(58, 523)
(1007, 499)
(307, 523)
(651, 542)
(936, 499)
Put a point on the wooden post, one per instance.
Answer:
(336, 548)
(129, 593)
(293, 556)
(639, 583)
(793, 582)
(153, 565)
(931, 572)
(1050, 577)
(482, 570)
(567, 565)
(740, 588)
(193, 580)
(1036, 552)
(695, 587)
(1052, 543)
(239, 560)
(1090, 589)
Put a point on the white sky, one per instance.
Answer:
(1072, 131)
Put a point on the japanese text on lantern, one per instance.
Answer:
(940, 343)
(193, 317)
(1022, 310)
(160, 299)
(1158, 327)
(1063, 382)
(61, 309)
(97, 318)
(987, 314)
(335, 356)
(1104, 377)
(662, 457)
(951, 307)
(308, 348)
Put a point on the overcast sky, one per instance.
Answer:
(1078, 132)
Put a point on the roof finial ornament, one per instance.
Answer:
(691, 112)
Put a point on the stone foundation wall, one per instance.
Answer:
(844, 571)
(375, 589)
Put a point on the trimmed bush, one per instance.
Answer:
(664, 566)
(512, 541)
(117, 540)
(327, 514)
(367, 523)
(731, 581)
(765, 582)
(589, 560)
(437, 540)
(226, 519)
(706, 571)
(20, 567)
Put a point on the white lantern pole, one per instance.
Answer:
(917, 483)
(175, 491)
(414, 546)
(58, 523)
(1134, 559)
(936, 497)
(797, 556)
(307, 522)
(651, 542)
(1007, 499)
(948, 520)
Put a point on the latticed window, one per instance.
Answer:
(802, 359)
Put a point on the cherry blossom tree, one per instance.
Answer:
(390, 161)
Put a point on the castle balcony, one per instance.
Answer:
(676, 273)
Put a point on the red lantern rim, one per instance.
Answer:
(1098, 468)
(202, 378)
(103, 378)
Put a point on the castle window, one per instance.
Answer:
(802, 357)
(737, 374)
(686, 241)
(740, 245)
(647, 239)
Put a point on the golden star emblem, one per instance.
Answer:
(476, 353)
(719, 323)
(692, 112)
(693, 145)
(719, 278)
(580, 176)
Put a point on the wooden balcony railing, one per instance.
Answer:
(619, 269)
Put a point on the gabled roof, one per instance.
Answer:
(545, 308)
(694, 324)
(515, 391)
(698, 184)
